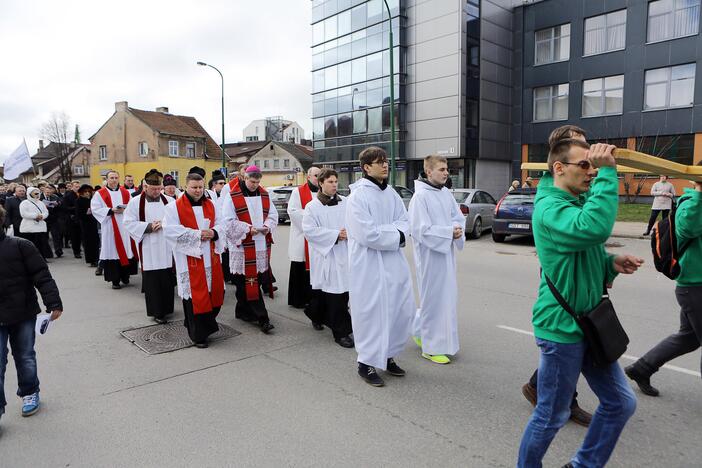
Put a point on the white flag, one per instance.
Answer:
(18, 162)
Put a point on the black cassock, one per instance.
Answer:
(199, 326)
(88, 230)
(157, 286)
(299, 289)
(331, 310)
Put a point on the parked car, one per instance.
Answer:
(280, 197)
(513, 214)
(478, 207)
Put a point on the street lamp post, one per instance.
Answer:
(224, 156)
(392, 100)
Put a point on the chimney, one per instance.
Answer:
(121, 106)
(163, 110)
(41, 145)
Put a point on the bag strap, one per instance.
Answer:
(562, 301)
(687, 244)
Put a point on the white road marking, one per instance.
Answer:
(682, 370)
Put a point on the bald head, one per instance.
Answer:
(313, 174)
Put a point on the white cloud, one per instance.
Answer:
(82, 56)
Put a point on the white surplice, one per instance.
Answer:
(186, 242)
(328, 258)
(296, 243)
(108, 247)
(380, 284)
(156, 253)
(433, 214)
(238, 230)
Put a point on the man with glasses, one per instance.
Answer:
(380, 292)
(570, 231)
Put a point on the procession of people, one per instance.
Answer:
(349, 272)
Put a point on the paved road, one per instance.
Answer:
(293, 398)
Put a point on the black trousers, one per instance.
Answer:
(688, 338)
(654, 217)
(40, 241)
(331, 310)
(299, 289)
(199, 326)
(251, 311)
(533, 381)
(158, 292)
(56, 230)
(114, 272)
(74, 234)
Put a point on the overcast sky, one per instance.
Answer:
(80, 57)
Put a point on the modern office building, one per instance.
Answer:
(484, 82)
(625, 71)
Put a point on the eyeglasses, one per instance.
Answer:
(584, 164)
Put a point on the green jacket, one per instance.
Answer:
(570, 234)
(688, 227)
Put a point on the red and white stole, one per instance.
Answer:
(121, 252)
(142, 218)
(305, 198)
(203, 300)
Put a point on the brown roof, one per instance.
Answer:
(244, 148)
(178, 125)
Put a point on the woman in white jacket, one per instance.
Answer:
(33, 226)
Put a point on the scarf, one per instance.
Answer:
(326, 200)
(142, 218)
(121, 251)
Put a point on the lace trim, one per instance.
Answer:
(237, 232)
(236, 261)
(184, 290)
(188, 243)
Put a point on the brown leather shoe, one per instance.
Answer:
(529, 393)
(580, 416)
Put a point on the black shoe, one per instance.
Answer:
(568, 465)
(345, 342)
(125, 281)
(59, 254)
(267, 327)
(93, 265)
(160, 321)
(529, 393)
(317, 326)
(369, 374)
(98, 271)
(202, 345)
(275, 288)
(638, 374)
(646, 234)
(116, 286)
(394, 369)
(78, 256)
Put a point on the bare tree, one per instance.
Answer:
(56, 130)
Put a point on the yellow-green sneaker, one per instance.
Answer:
(418, 341)
(439, 358)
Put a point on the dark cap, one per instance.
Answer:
(197, 170)
(168, 180)
(153, 177)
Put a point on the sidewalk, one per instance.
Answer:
(629, 230)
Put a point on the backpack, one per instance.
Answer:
(664, 245)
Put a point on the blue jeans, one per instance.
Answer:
(559, 368)
(21, 336)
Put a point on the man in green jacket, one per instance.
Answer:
(570, 231)
(688, 228)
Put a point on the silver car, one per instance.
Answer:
(478, 206)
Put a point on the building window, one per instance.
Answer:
(286, 163)
(172, 148)
(669, 19)
(190, 150)
(78, 170)
(605, 33)
(551, 103)
(552, 44)
(603, 96)
(257, 163)
(174, 174)
(676, 148)
(265, 163)
(103, 153)
(143, 149)
(670, 87)
(276, 164)
(252, 138)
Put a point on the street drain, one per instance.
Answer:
(172, 336)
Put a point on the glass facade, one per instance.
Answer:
(351, 79)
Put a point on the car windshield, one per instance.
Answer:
(460, 196)
(518, 200)
(281, 195)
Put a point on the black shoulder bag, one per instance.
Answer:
(604, 335)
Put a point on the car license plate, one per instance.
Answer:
(518, 226)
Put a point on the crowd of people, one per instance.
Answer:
(349, 272)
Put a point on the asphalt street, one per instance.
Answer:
(293, 398)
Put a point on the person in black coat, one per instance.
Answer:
(57, 217)
(13, 217)
(88, 226)
(72, 224)
(22, 270)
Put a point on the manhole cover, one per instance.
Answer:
(157, 339)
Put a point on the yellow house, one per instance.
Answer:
(133, 141)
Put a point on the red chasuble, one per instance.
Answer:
(249, 245)
(203, 300)
(305, 198)
(121, 252)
